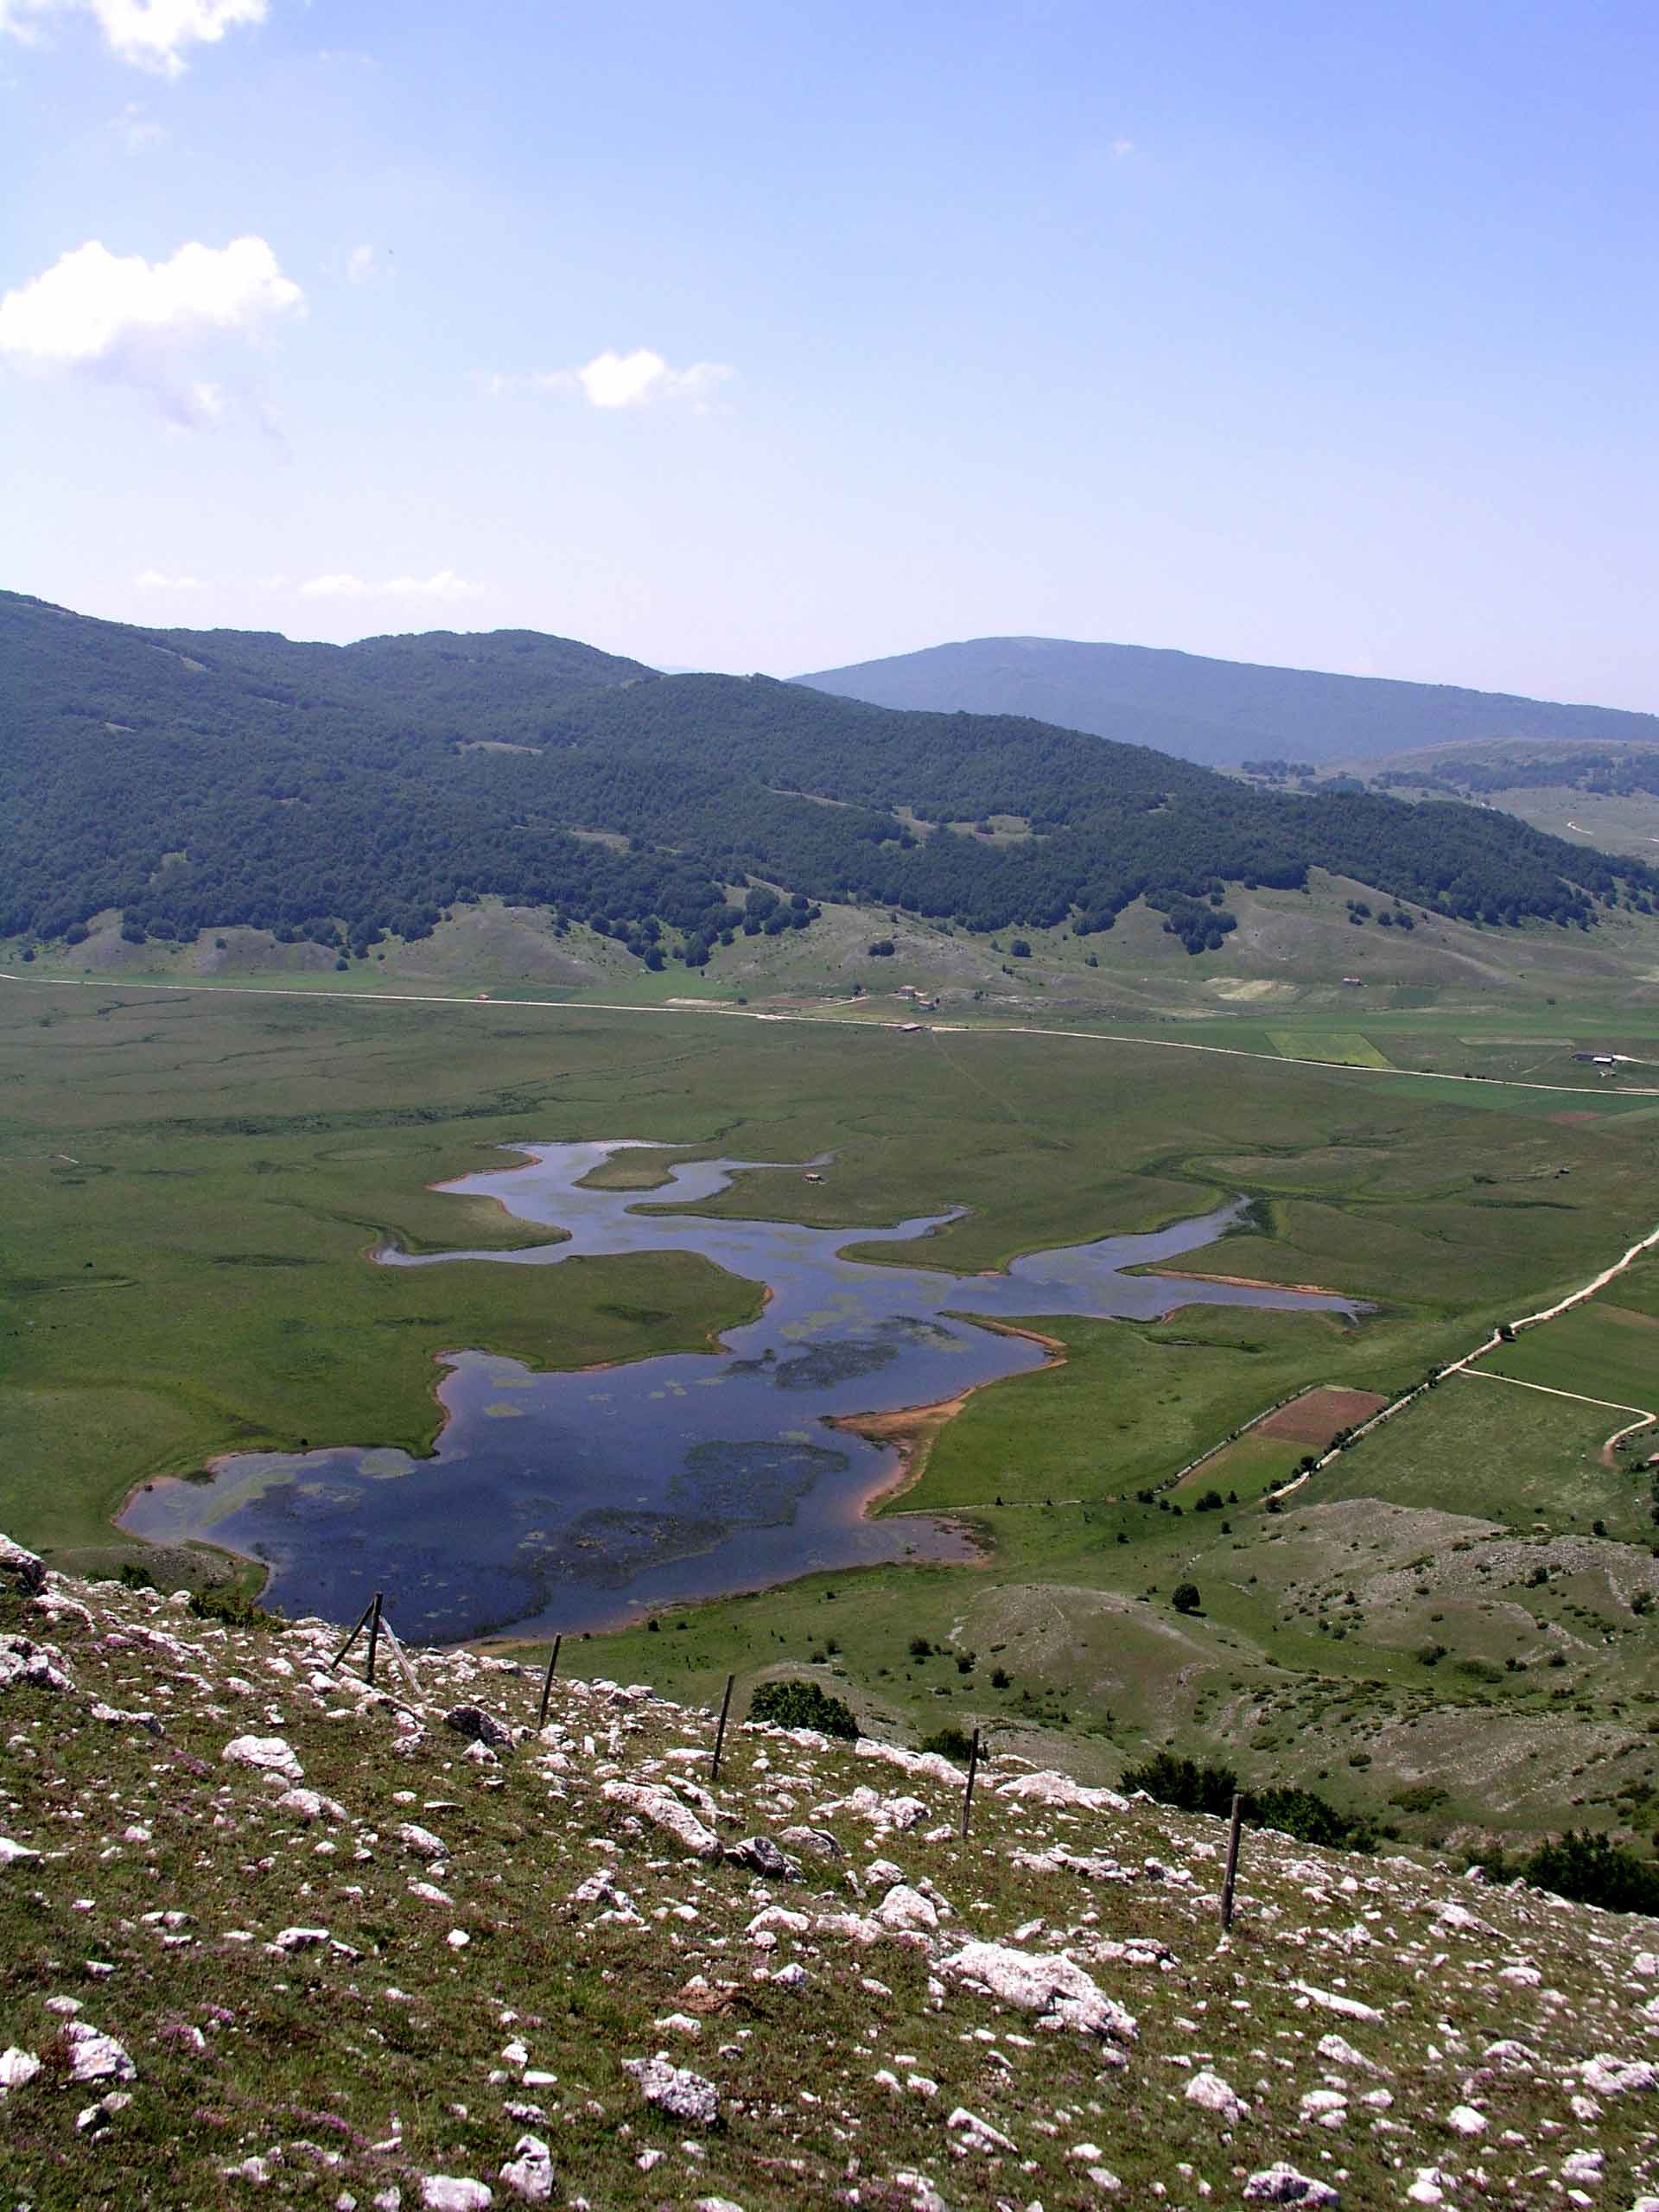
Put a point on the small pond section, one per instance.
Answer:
(578, 1500)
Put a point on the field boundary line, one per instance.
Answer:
(1577, 1397)
(1503, 1334)
(822, 1020)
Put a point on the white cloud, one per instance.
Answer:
(131, 318)
(153, 580)
(90, 302)
(360, 264)
(150, 33)
(1122, 147)
(444, 584)
(641, 379)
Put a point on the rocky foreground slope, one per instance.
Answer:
(270, 1934)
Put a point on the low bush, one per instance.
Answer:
(949, 1742)
(791, 1702)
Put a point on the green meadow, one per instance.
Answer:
(194, 1185)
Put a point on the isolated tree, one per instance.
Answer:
(1185, 1599)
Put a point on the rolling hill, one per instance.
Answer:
(192, 781)
(1216, 711)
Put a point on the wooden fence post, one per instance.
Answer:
(719, 1733)
(374, 1638)
(547, 1684)
(1229, 1878)
(352, 1637)
(967, 1794)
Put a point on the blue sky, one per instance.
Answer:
(779, 335)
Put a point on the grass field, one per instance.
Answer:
(1346, 1046)
(192, 1185)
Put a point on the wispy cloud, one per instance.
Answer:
(641, 379)
(138, 131)
(342, 584)
(138, 321)
(153, 580)
(360, 264)
(149, 33)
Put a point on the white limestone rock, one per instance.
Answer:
(676, 2090)
(1050, 1985)
(265, 1754)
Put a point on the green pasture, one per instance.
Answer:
(1345, 1046)
(1599, 1350)
(1132, 1403)
(1508, 1456)
(193, 1186)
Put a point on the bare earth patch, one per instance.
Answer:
(1317, 1415)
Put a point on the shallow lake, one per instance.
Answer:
(578, 1500)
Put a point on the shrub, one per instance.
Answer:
(1310, 1818)
(1184, 1597)
(229, 1603)
(920, 1647)
(1183, 1784)
(1593, 1870)
(951, 1743)
(792, 1702)
(1419, 1797)
(1000, 1678)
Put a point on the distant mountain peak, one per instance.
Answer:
(1214, 711)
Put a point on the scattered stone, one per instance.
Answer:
(265, 1754)
(977, 2133)
(95, 2057)
(1212, 2094)
(420, 1841)
(1050, 1985)
(479, 1727)
(25, 1664)
(675, 2089)
(18, 2066)
(760, 1852)
(663, 1811)
(456, 2193)
(529, 2172)
(1618, 2077)
(1283, 2184)
(23, 1570)
(905, 1908)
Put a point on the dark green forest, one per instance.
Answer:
(195, 780)
(1596, 771)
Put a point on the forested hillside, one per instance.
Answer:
(193, 781)
(1214, 710)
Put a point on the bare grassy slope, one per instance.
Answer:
(268, 1934)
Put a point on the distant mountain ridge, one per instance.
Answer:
(189, 780)
(1219, 712)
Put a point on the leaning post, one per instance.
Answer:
(356, 1631)
(374, 1638)
(967, 1794)
(1229, 1880)
(719, 1732)
(547, 1684)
